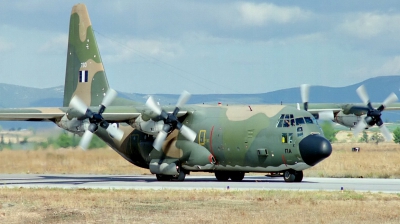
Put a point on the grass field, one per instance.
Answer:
(195, 206)
(373, 161)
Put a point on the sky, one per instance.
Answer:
(206, 47)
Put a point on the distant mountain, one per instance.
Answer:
(378, 89)
(21, 96)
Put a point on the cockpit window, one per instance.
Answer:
(286, 120)
(308, 120)
(314, 120)
(299, 121)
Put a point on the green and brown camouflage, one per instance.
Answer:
(230, 140)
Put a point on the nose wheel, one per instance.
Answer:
(293, 176)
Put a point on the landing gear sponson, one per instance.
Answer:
(288, 175)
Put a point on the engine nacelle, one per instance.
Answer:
(74, 125)
(348, 120)
(167, 167)
(147, 126)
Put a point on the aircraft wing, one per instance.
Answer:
(31, 114)
(356, 108)
(112, 113)
(53, 113)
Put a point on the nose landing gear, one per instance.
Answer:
(293, 176)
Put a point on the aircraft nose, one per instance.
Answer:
(314, 148)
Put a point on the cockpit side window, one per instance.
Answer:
(299, 121)
(308, 120)
(284, 137)
(299, 131)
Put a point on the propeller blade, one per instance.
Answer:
(115, 132)
(188, 133)
(390, 99)
(386, 133)
(109, 97)
(158, 142)
(152, 105)
(362, 93)
(326, 115)
(305, 92)
(185, 96)
(361, 125)
(78, 105)
(85, 140)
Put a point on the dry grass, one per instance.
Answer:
(66, 161)
(197, 206)
(373, 161)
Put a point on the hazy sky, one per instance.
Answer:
(206, 46)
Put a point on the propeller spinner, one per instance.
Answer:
(373, 115)
(170, 120)
(96, 119)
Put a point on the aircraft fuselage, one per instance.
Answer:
(233, 138)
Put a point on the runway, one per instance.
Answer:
(196, 182)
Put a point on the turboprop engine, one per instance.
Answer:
(347, 120)
(147, 126)
(73, 125)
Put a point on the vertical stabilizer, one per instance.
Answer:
(85, 75)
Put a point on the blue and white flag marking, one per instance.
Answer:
(83, 76)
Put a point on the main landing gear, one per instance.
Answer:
(225, 175)
(180, 177)
(293, 176)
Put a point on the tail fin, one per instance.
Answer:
(85, 75)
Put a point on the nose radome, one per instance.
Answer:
(314, 148)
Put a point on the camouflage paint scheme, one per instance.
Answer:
(230, 141)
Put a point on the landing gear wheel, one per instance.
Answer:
(221, 176)
(181, 176)
(298, 176)
(289, 176)
(161, 177)
(237, 176)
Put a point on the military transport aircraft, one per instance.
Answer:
(174, 141)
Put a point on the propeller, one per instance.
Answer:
(373, 116)
(305, 93)
(96, 119)
(170, 120)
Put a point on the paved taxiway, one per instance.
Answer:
(196, 182)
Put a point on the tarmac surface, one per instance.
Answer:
(196, 182)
